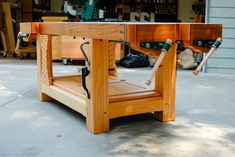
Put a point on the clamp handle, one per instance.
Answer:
(167, 45)
(85, 73)
(214, 47)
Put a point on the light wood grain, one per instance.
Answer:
(54, 18)
(132, 107)
(166, 85)
(150, 33)
(133, 96)
(31, 28)
(9, 27)
(97, 120)
(71, 84)
(42, 96)
(95, 31)
(66, 98)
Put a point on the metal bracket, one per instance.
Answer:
(204, 43)
(152, 45)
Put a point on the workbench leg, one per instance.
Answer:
(44, 64)
(165, 83)
(97, 119)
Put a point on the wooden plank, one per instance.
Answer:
(32, 28)
(54, 18)
(130, 33)
(9, 28)
(25, 51)
(56, 48)
(150, 32)
(120, 88)
(70, 47)
(205, 32)
(132, 107)
(66, 98)
(166, 85)
(117, 89)
(184, 32)
(72, 84)
(160, 32)
(97, 120)
(88, 30)
(133, 96)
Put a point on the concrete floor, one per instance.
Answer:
(205, 125)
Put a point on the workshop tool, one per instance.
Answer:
(20, 36)
(165, 49)
(88, 12)
(214, 47)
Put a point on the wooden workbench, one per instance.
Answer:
(111, 97)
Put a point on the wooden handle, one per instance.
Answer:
(165, 49)
(212, 50)
(17, 44)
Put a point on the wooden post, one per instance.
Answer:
(165, 83)
(44, 63)
(97, 118)
(9, 28)
(4, 42)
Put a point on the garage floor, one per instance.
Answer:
(205, 124)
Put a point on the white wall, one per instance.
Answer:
(185, 12)
(223, 61)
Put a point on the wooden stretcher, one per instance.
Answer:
(111, 97)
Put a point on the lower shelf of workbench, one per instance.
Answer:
(125, 98)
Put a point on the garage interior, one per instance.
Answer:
(205, 104)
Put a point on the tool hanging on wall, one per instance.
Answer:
(165, 49)
(214, 47)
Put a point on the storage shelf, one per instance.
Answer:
(119, 89)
